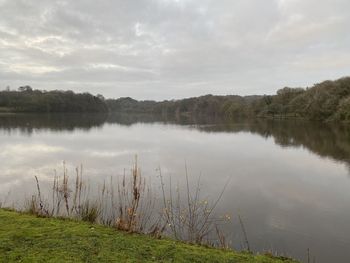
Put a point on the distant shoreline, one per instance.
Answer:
(326, 101)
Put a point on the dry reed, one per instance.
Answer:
(130, 205)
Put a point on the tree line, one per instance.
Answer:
(328, 100)
(25, 99)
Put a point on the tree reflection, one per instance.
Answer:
(326, 140)
(28, 123)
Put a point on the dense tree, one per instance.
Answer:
(328, 100)
(324, 101)
(25, 89)
(29, 100)
(343, 110)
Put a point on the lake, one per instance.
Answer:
(288, 180)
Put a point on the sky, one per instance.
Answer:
(170, 49)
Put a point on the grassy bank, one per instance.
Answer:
(26, 238)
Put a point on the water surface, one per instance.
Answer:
(289, 180)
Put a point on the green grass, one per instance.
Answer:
(26, 238)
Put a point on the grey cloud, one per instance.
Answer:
(162, 49)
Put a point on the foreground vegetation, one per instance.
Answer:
(26, 238)
(131, 205)
(128, 206)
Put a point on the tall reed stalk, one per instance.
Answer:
(192, 218)
(130, 205)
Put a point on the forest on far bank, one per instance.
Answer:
(26, 99)
(326, 101)
(329, 100)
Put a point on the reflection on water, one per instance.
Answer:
(325, 140)
(28, 123)
(322, 139)
(289, 179)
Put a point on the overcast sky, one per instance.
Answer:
(163, 49)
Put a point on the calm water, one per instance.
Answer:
(289, 180)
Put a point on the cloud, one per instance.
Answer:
(162, 49)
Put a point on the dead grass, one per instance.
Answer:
(130, 205)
